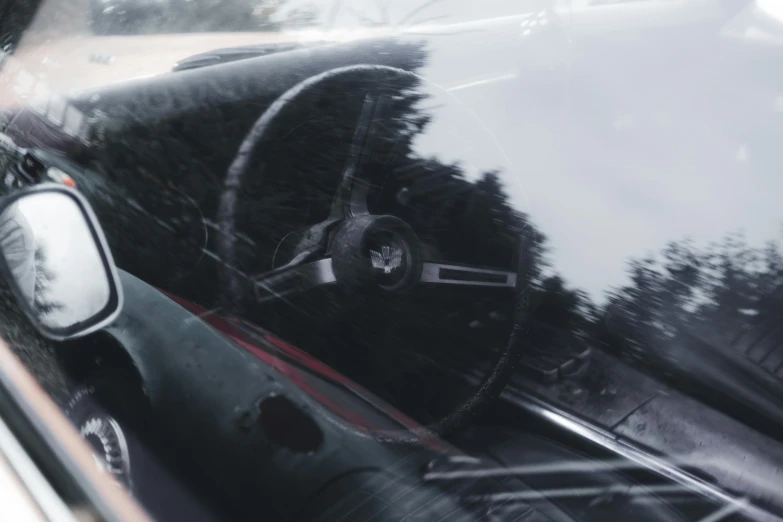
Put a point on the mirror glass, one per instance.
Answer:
(54, 259)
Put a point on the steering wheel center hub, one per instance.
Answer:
(376, 252)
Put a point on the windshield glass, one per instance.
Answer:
(412, 234)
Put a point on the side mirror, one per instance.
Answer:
(55, 258)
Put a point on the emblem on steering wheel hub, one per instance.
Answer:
(389, 256)
(388, 259)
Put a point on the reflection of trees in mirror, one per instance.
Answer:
(43, 304)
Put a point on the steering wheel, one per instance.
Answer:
(361, 251)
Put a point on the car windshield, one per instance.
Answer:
(513, 256)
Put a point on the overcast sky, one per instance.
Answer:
(619, 166)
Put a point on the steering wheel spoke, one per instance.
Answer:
(452, 274)
(351, 199)
(294, 280)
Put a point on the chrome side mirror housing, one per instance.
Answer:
(54, 255)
